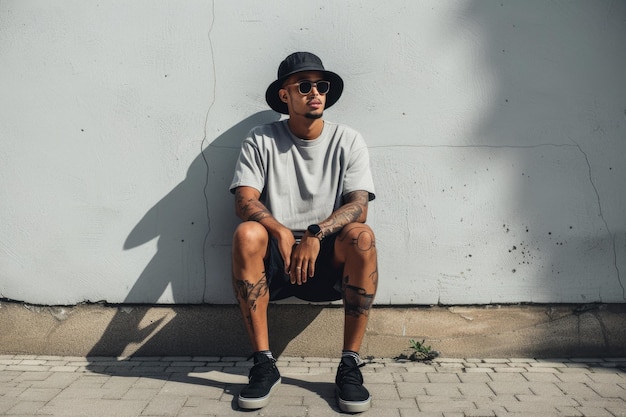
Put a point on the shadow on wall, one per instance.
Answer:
(193, 224)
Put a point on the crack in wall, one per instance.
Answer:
(203, 145)
(612, 236)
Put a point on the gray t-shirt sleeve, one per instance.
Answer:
(249, 169)
(358, 175)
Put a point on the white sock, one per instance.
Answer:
(349, 353)
(267, 353)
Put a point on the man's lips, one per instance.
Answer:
(315, 104)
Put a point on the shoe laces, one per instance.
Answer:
(350, 374)
(262, 371)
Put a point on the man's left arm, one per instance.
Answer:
(353, 210)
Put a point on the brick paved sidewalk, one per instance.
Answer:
(207, 386)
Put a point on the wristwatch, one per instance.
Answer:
(316, 231)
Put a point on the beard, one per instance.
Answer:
(314, 116)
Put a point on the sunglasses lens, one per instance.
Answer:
(323, 87)
(305, 87)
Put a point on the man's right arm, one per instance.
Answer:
(249, 207)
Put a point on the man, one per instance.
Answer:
(302, 188)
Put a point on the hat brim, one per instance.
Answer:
(333, 95)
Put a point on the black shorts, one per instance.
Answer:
(324, 286)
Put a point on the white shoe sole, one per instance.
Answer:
(354, 406)
(256, 403)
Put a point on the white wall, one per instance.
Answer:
(496, 131)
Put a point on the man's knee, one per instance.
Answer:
(249, 238)
(358, 238)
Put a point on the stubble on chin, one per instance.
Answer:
(314, 116)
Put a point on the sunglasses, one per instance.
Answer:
(305, 87)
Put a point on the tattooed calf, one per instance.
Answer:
(356, 301)
(248, 293)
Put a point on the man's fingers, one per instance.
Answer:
(303, 274)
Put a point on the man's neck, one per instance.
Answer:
(307, 129)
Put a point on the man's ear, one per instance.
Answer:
(282, 94)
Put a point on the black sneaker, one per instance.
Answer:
(264, 378)
(352, 396)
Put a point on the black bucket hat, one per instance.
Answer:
(299, 62)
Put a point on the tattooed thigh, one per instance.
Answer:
(357, 302)
(249, 293)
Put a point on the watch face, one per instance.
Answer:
(314, 229)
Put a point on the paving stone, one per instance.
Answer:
(27, 368)
(512, 387)
(608, 378)
(473, 390)
(69, 386)
(165, 405)
(94, 408)
(439, 377)
(39, 394)
(533, 407)
(475, 377)
(578, 390)
(509, 370)
(617, 410)
(607, 390)
(569, 411)
(32, 376)
(479, 370)
(574, 377)
(411, 377)
(443, 403)
(553, 401)
(546, 389)
(6, 403)
(541, 377)
(402, 403)
(57, 380)
(419, 413)
(595, 412)
(140, 393)
(410, 389)
(207, 407)
(26, 408)
(449, 389)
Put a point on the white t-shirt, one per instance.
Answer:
(302, 181)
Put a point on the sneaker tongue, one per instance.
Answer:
(260, 358)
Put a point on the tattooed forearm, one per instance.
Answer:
(353, 210)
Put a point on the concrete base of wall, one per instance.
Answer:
(546, 331)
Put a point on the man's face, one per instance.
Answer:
(310, 105)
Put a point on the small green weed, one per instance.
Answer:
(420, 346)
(418, 351)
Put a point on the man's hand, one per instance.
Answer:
(286, 244)
(303, 257)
